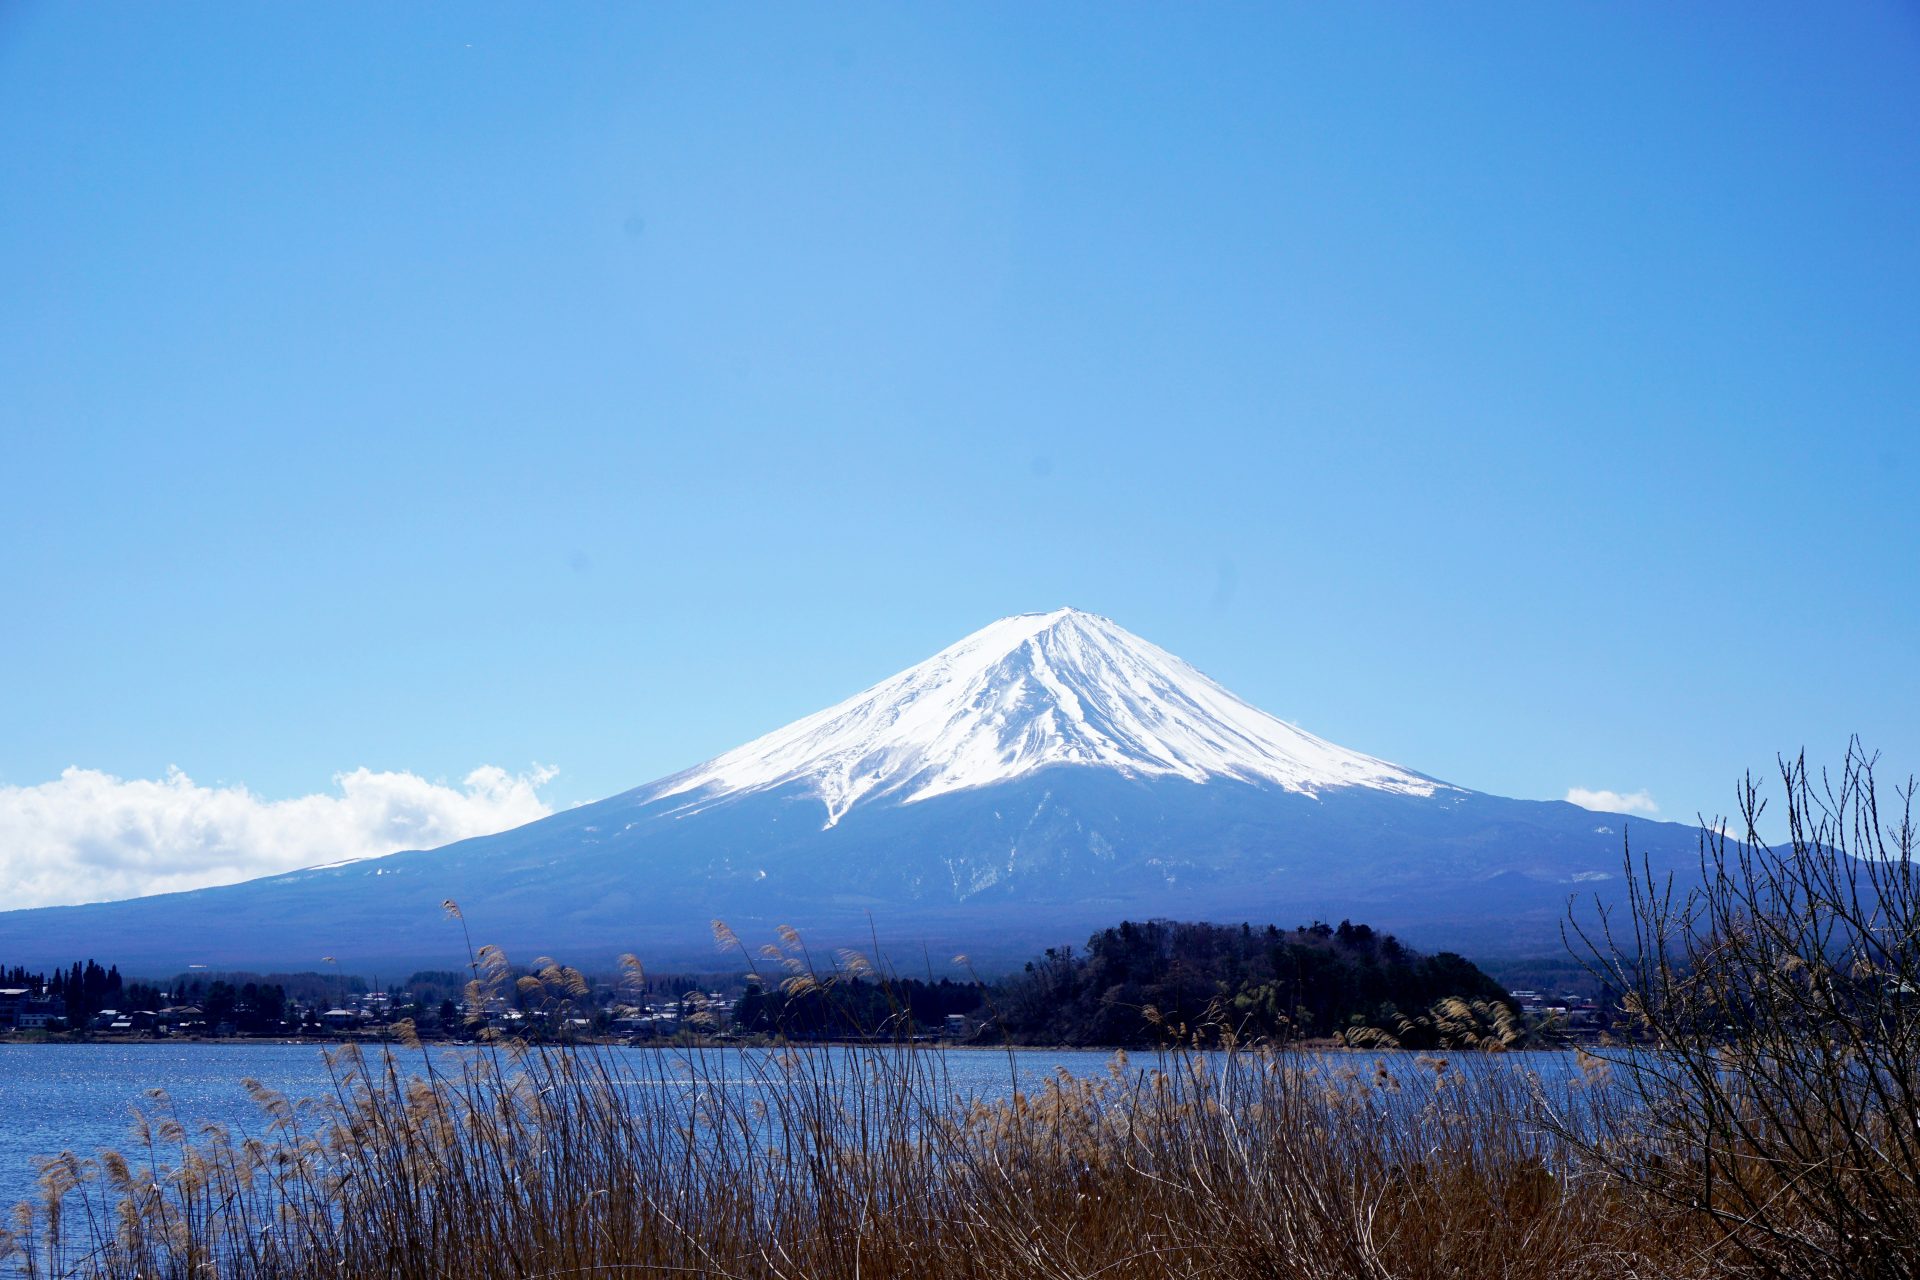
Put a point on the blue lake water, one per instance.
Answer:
(80, 1098)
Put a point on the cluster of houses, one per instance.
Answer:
(22, 1009)
(1567, 1011)
(649, 1018)
(645, 1018)
(364, 1011)
(25, 1009)
(708, 1012)
(172, 1020)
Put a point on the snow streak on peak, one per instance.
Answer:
(1026, 693)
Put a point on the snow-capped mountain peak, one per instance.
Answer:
(1026, 693)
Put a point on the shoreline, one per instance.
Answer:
(317, 1042)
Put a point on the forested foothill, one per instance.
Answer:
(1161, 982)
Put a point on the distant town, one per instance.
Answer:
(98, 1003)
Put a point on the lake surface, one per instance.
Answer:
(80, 1098)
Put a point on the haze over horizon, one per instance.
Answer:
(416, 422)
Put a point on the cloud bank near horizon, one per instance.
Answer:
(1604, 801)
(88, 836)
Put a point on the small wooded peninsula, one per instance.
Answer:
(1161, 981)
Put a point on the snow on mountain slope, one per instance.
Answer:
(1026, 693)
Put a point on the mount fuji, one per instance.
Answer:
(1049, 774)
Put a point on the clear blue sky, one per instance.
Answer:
(1526, 394)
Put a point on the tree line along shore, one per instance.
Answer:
(1135, 985)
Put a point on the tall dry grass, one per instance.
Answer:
(515, 1162)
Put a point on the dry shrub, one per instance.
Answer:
(1770, 1086)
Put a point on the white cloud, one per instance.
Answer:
(90, 837)
(1612, 801)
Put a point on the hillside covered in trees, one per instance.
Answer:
(1163, 980)
(1153, 983)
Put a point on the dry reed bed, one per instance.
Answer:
(517, 1162)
